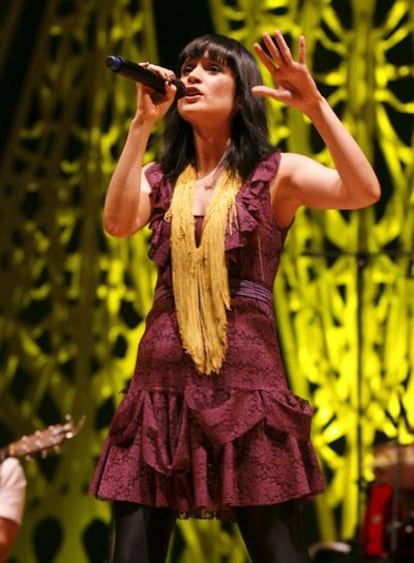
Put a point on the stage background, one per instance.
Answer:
(72, 300)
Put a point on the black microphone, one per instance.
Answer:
(138, 73)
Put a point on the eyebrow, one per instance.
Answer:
(204, 58)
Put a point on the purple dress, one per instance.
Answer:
(202, 444)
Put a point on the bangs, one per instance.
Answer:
(212, 46)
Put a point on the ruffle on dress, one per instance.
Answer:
(203, 450)
(247, 201)
(156, 414)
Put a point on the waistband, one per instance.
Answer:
(238, 288)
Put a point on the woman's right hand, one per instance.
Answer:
(152, 105)
(127, 205)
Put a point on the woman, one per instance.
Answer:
(208, 426)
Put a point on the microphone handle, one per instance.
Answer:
(138, 73)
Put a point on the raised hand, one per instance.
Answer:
(294, 83)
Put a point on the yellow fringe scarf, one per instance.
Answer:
(199, 273)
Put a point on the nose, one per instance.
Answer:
(194, 75)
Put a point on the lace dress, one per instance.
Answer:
(202, 444)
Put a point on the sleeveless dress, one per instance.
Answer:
(201, 444)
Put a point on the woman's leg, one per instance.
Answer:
(142, 533)
(273, 534)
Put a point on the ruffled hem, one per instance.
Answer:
(202, 452)
(247, 200)
(216, 411)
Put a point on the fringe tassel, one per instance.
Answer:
(200, 278)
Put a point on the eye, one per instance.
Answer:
(214, 67)
(186, 69)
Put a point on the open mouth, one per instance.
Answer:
(192, 92)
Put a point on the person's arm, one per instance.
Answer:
(127, 205)
(352, 184)
(8, 533)
(12, 499)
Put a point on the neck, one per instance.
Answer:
(209, 152)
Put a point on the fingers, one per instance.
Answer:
(278, 52)
(264, 57)
(302, 50)
(165, 73)
(278, 48)
(280, 94)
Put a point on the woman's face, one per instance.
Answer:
(210, 92)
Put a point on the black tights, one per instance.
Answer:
(142, 533)
(272, 534)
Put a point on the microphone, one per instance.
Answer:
(138, 73)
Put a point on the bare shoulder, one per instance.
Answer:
(291, 164)
(298, 175)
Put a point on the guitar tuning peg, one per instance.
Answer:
(43, 440)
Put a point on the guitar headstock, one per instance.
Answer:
(43, 440)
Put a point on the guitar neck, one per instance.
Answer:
(42, 440)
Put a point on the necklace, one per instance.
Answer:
(209, 181)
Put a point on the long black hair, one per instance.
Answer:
(249, 134)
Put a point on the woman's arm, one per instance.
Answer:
(127, 205)
(301, 180)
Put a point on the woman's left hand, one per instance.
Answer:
(294, 83)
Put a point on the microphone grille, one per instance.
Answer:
(113, 62)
